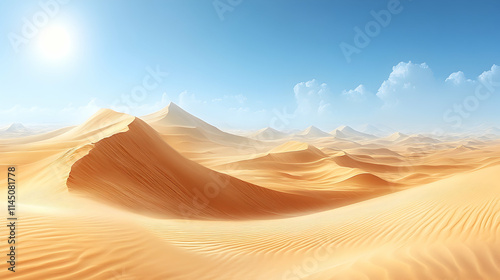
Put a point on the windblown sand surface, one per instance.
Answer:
(169, 196)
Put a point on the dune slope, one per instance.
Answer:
(137, 170)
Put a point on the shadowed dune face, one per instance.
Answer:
(137, 170)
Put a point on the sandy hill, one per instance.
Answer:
(102, 124)
(173, 115)
(419, 139)
(294, 151)
(395, 137)
(313, 132)
(346, 132)
(463, 148)
(376, 151)
(268, 133)
(166, 120)
(365, 179)
(292, 146)
(135, 169)
(353, 161)
(402, 139)
(15, 130)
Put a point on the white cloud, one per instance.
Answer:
(413, 83)
(405, 81)
(187, 99)
(457, 78)
(491, 78)
(413, 92)
(311, 98)
(358, 94)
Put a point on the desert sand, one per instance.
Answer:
(169, 196)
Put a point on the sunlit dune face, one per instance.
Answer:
(55, 43)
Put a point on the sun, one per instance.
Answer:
(55, 43)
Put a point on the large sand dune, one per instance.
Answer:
(172, 197)
(136, 169)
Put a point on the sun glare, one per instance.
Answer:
(55, 43)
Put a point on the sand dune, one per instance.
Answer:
(18, 130)
(418, 138)
(268, 133)
(173, 197)
(33, 138)
(313, 132)
(346, 132)
(173, 115)
(289, 153)
(365, 179)
(397, 136)
(197, 139)
(137, 170)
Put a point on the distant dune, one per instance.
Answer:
(397, 136)
(346, 132)
(268, 133)
(18, 131)
(313, 132)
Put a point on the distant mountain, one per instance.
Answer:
(313, 132)
(268, 133)
(374, 130)
(173, 116)
(395, 137)
(17, 128)
(346, 132)
(419, 139)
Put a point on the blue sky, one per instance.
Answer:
(251, 64)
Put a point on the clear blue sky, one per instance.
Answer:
(263, 57)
